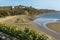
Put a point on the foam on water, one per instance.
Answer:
(44, 19)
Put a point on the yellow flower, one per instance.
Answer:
(16, 29)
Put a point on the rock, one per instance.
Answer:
(4, 36)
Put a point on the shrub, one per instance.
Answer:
(24, 34)
(19, 20)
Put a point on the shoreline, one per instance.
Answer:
(51, 29)
(54, 26)
(43, 22)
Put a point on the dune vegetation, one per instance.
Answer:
(22, 34)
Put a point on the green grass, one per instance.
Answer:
(22, 34)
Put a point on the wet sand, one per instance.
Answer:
(54, 26)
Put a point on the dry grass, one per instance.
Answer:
(27, 22)
(54, 26)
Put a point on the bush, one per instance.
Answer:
(24, 34)
(19, 20)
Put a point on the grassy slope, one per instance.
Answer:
(27, 22)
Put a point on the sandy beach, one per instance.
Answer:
(54, 26)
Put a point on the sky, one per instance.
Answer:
(40, 4)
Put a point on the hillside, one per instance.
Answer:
(19, 10)
(19, 21)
